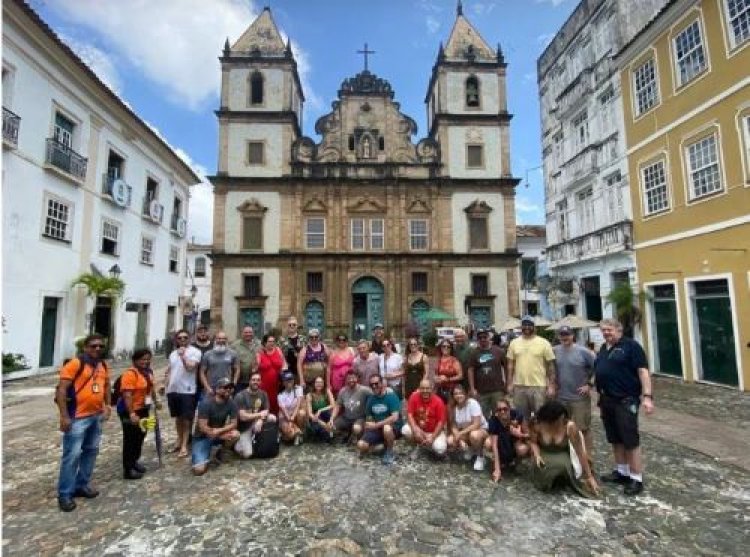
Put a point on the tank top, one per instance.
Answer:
(315, 355)
(413, 374)
(340, 366)
(318, 401)
(447, 366)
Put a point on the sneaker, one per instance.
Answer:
(615, 478)
(66, 504)
(298, 440)
(389, 458)
(138, 467)
(633, 487)
(132, 475)
(479, 464)
(87, 492)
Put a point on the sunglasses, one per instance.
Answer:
(413, 344)
(502, 409)
(96, 346)
(182, 337)
(375, 384)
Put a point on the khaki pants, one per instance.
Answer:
(528, 400)
(580, 412)
(488, 401)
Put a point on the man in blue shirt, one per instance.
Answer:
(382, 422)
(623, 381)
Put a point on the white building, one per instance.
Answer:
(587, 204)
(88, 187)
(196, 293)
(531, 240)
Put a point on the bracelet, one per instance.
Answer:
(648, 396)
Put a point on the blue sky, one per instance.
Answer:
(160, 56)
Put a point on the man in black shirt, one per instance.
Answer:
(623, 382)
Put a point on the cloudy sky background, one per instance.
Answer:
(161, 58)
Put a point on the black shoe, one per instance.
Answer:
(616, 478)
(138, 467)
(633, 487)
(86, 492)
(66, 504)
(132, 475)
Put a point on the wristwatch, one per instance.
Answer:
(648, 395)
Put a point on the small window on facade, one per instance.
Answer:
(174, 259)
(57, 222)
(703, 164)
(418, 234)
(147, 250)
(252, 233)
(377, 234)
(478, 237)
(351, 143)
(472, 91)
(528, 273)
(581, 130)
(110, 238)
(314, 283)
(251, 286)
(474, 156)
(419, 283)
(256, 88)
(738, 13)
(655, 194)
(381, 143)
(689, 52)
(746, 138)
(358, 234)
(115, 166)
(152, 193)
(255, 152)
(646, 88)
(480, 285)
(63, 132)
(200, 266)
(315, 233)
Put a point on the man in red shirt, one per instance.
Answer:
(426, 418)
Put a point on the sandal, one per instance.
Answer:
(182, 454)
(174, 449)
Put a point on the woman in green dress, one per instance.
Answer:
(552, 435)
(319, 406)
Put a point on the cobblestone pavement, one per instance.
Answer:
(321, 500)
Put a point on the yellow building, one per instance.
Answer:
(686, 95)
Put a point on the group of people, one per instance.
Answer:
(505, 403)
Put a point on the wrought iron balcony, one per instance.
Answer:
(610, 239)
(66, 159)
(11, 124)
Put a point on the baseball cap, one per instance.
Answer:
(287, 376)
(222, 382)
(483, 331)
(527, 320)
(378, 326)
(564, 330)
(313, 333)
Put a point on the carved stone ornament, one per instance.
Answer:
(419, 205)
(303, 150)
(427, 150)
(330, 154)
(252, 206)
(315, 205)
(367, 204)
(478, 207)
(473, 134)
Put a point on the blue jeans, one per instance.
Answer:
(80, 447)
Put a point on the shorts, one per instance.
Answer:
(375, 436)
(620, 419)
(488, 401)
(345, 425)
(506, 448)
(181, 405)
(528, 400)
(580, 412)
(202, 450)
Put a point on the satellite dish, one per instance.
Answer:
(155, 210)
(120, 192)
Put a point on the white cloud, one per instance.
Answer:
(102, 64)
(482, 8)
(526, 205)
(545, 38)
(554, 3)
(174, 43)
(433, 25)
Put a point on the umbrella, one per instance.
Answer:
(157, 437)
(541, 322)
(436, 314)
(574, 322)
(510, 324)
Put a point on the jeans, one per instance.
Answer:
(132, 440)
(80, 447)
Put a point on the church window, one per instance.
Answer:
(358, 234)
(351, 143)
(478, 236)
(418, 234)
(315, 233)
(472, 92)
(480, 285)
(314, 282)
(419, 282)
(200, 266)
(251, 286)
(377, 233)
(367, 234)
(255, 152)
(252, 233)
(381, 143)
(474, 156)
(256, 88)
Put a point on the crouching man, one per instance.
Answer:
(217, 425)
(426, 418)
(253, 407)
(349, 413)
(382, 422)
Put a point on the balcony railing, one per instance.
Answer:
(11, 123)
(575, 95)
(66, 159)
(581, 166)
(614, 238)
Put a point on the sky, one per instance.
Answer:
(160, 56)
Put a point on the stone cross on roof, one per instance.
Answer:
(366, 52)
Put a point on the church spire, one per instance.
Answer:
(262, 37)
(459, 8)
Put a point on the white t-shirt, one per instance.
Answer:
(391, 365)
(288, 400)
(181, 380)
(464, 416)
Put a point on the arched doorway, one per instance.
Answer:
(367, 306)
(314, 316)
(418, 311)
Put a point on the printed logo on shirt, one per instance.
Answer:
(379, 408)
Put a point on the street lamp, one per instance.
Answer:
(115, 271)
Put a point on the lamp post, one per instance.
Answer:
(115, 271)
(194, 314)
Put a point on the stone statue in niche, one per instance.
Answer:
(366, 148)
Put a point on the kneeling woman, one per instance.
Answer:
(552, 435)
(468, 427)
(319, 406)
(137, 390)
(292, 415)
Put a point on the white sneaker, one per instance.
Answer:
(479, 464)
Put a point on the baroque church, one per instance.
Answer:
(367, 224)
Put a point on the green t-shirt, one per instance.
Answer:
(247, 356)
(380, 407)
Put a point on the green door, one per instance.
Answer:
(141, 326)
(666, 335)
(49, 332)
(712, 310)
(367, 306)
(315, 316)
(418, 310)
(252, 317)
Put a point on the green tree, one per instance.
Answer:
(99, 285)
(627, 304)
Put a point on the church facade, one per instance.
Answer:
(368, 224)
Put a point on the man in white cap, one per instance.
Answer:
(531, 369)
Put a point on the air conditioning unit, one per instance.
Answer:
(181, 227)
(156, 211)
(120, 192)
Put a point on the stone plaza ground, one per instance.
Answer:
(322, 500)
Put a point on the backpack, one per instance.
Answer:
(71, 394)
(116, 396)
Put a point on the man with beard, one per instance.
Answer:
(487, 373)
(291, 345)
(349, 413)
(180, 380)
(203, 343)
(366, 364)
(247, 351)
(254, 410)
(217, 425)
(219, 363)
